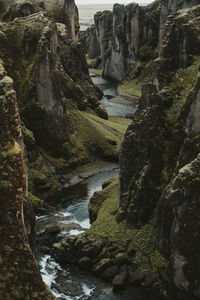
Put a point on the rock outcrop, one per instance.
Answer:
(93, 48)
(127, 34)
(159, 160)
(130, 35)
(62, 11)
(19, 273)
(170, 7)
(53, 85)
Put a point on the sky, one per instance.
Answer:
(110, 1)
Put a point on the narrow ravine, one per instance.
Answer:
(69, 282)
(72, 218)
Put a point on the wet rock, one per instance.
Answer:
(44, 249)
(64, 253)
(72, 239)
(119, 279)
(92, 249)
(109, 273)
(101, 112)
(85, 263)
(68, 287)
(102, 265)
(137, 277)
(51, 221)
(121, 258)
(106, 183)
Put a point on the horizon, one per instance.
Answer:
(109, 2)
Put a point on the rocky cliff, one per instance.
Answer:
(159, 160)
(150, 235)
(130, 35)
(127, 34)
(19, 274)
(62, 11)
(51, 78)
(62, 127)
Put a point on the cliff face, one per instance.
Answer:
(16, 257)
(135, 31)
(93, 48)
(131, 34)
(53, 84)
(62, 11)
(127, 34)
(159, 160)
(169, 7)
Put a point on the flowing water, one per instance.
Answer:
(110, 97)
(69, 282)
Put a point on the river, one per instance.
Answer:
(71, 217)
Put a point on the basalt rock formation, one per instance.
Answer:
(159, 160)
(127, 34)
(62, 11)
(19, 273)
(150, 235)
(49, 69)
(130, 35)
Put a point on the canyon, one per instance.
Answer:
(56, 131)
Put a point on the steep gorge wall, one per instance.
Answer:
(40, 50)
(159, 160)
(126, 34)
(62, 11)
(53, 84)
(130, 34)
(19, 273)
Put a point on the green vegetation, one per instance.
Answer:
(15, 150)
(181, 85)
(139, 74)
(131, 88)
(141, 242)
(93, 135)
(145, 53)
(94, 65)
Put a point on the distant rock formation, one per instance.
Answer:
(130, 34)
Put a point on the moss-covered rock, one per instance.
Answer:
(19, 273)
(165, 186)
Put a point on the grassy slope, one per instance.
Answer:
(141, 248)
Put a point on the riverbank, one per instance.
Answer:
(71, 217)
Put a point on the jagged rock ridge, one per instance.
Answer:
(159, 160)
(16, 256)
(130, 34)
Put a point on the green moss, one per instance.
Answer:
(145, 53)
(141, 249)
(182, 82)
(91, 135)
(35, 200)
(15, 150)
(131, 88)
